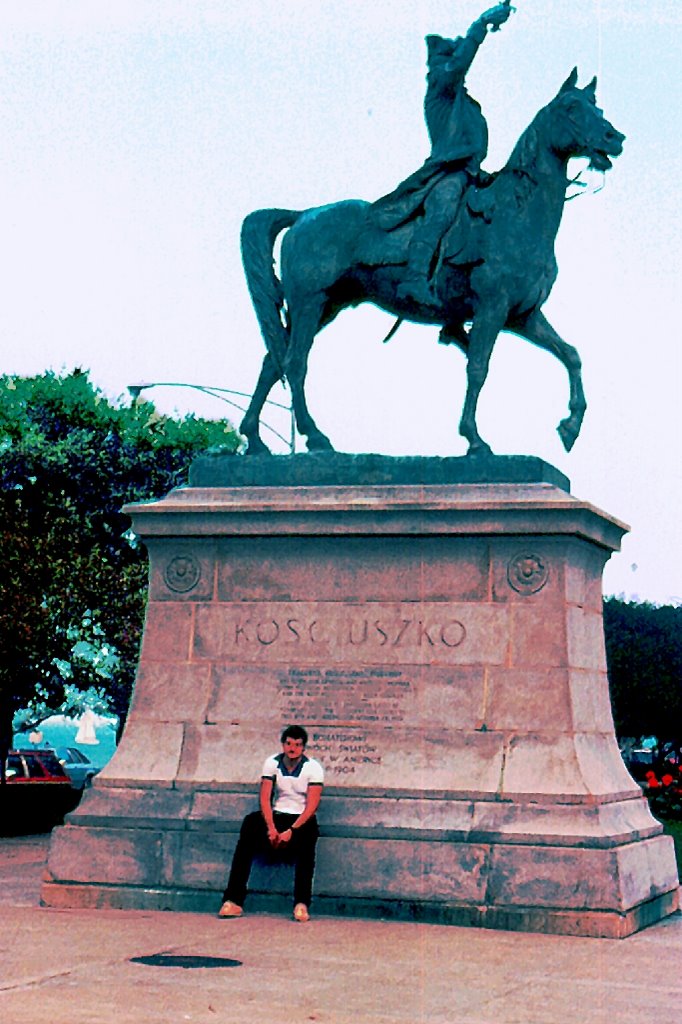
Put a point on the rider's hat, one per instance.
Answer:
(436, 46)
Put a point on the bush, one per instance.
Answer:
(663, 788)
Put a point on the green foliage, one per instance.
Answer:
(74, 704)
(74, 582)
(644, 658)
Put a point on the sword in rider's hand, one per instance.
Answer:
(505, 3)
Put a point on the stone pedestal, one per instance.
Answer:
(441, 639)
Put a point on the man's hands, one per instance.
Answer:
(273, 836)
(276, 838)
(496, 16)
(312, 802)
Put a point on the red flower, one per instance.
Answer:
(667, 780)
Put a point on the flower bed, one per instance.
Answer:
(663, 787)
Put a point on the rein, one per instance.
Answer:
(583, 184)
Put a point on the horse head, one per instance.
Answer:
(579, 127)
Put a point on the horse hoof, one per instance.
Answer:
(480, 448)
(319, 443)
(567, 433)
(257, 448)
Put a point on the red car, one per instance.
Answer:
(38, 792)
(30, 766)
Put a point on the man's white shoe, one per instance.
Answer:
(230, 909)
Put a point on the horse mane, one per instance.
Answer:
(524, 154)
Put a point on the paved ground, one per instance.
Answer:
(79, 967)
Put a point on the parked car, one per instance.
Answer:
(639, 761)
(38, 792)
(77, 766)
(26, 767)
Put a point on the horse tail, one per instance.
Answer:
(259, 233)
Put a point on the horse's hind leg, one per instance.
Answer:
(305, 323)
(540, 332)
(249, 426)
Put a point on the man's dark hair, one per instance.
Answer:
(295, 732)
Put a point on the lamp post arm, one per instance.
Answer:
(219, 393)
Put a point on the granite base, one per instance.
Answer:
(443, 643)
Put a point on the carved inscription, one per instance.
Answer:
(354, 632)
(360, 676)
(345, 751)
(356, 702)
(308, 633)
(370, 695)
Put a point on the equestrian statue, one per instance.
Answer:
(452, 245)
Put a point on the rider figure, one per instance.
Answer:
(459, 142)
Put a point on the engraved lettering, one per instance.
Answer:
(382, 633)
(263, 637)
(363, 638)
(311, 632)
(240, 632)
(406, 623)
(452, 633)
(291, 626)
(423, 632)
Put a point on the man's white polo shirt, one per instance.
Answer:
(291, 788)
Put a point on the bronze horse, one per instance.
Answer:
(337, 256)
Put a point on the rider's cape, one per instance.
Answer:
(400, 205)
(398, 208)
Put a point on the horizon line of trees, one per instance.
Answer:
(644, 661)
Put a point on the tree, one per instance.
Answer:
(644, 658)
(73, 585)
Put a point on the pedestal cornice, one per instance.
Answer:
(411, 509)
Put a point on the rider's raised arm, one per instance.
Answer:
(493, 18)
(450, 59)
(496, 16)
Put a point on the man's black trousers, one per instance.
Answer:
(253, 842)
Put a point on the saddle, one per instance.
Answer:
(392, 218)
(462, 244)
(406, 201)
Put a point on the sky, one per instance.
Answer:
(137, 135)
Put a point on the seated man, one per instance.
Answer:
(290, 793)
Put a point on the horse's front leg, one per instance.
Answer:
(481, 340)
(540, 332)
